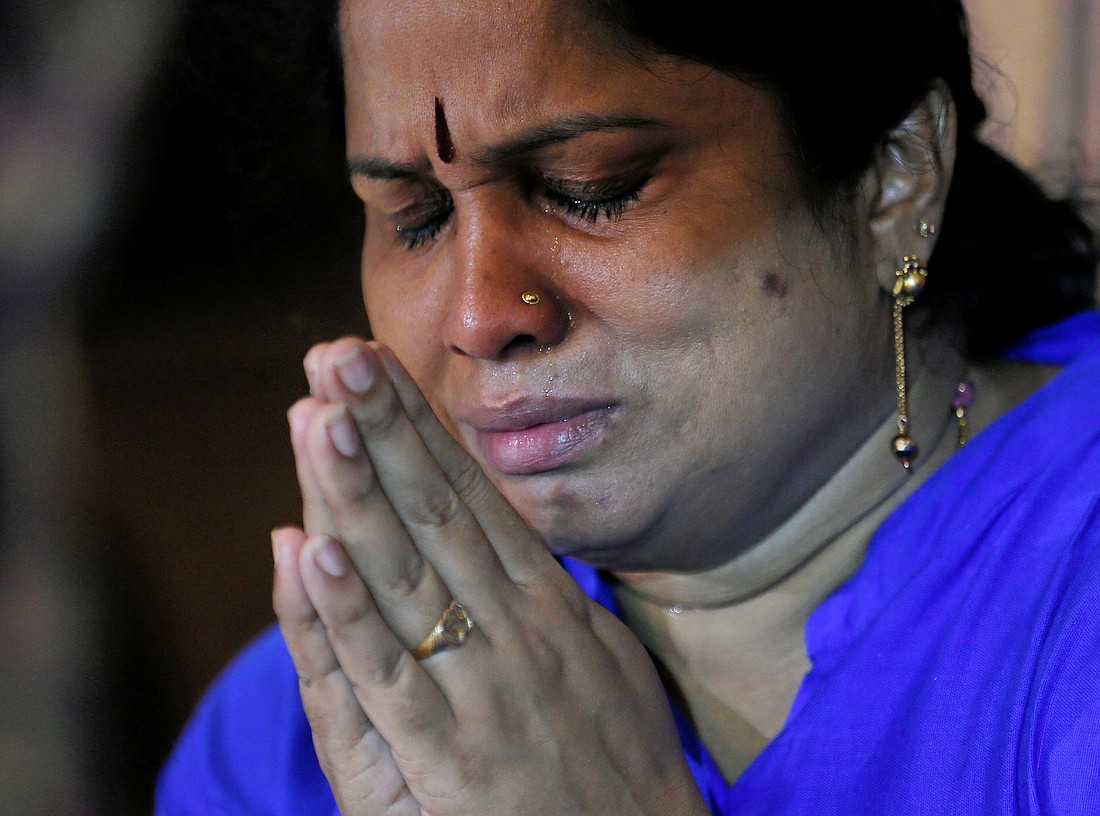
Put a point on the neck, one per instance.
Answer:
(731, 641)
(838, 519)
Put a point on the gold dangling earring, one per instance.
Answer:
(908, 283)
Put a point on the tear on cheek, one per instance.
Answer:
(775, 286)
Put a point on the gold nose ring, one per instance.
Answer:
(530, 298)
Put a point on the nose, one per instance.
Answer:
(505, 302)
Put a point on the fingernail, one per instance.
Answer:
(311, 375)
(357, 372)
(296, 420)
(343, 433)
(276, 547)
(329, 556)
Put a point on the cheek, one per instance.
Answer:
(702, 264)
(729, 322)
(396, 295)
(654, 285)
(400, 315)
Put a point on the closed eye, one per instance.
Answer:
(590, 202)
(416, 226)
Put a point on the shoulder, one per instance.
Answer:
(1010, 583)
(1014, 513)
(248, 747)
(1032, 478)
(1060, 746)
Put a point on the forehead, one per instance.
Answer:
(428, 28)
(489, 62)
(504, 71)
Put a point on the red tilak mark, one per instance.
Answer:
(443, 144)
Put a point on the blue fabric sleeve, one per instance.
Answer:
(1063, 756)
(1062, 342)
(248, 747)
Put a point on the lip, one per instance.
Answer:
(533, 436)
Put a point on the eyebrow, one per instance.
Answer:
(535, 139)
(561, 131)
(384, 170)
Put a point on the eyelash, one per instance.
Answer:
(429, 226)
(589, 210)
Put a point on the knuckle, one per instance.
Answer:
(392, 672)
(420, 412)
(318, 681)
(437, 509)
(576, 602)
(349, 619)
(407, 577)
(549, 658)
(468, 480)
(292, 614)
(361, 489)
(380, 415)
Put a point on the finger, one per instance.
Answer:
(501, 523)
(437, 519)
(521, 553)
(405, 586)
(336, 717)
(311, 364)
(398, 695)
(315, 513)
(397, 570)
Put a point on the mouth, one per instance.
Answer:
(529, 437)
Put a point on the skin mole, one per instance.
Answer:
(775, 285)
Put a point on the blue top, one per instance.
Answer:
(958, 672)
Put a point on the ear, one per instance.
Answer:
(907, 183)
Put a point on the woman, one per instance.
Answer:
(651, 300)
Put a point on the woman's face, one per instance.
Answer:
(703, 353)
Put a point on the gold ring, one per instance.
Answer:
(530, 298)
(450, 633)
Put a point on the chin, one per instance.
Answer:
(587, 521)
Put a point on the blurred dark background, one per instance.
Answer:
(237, 248)
(213, 241)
